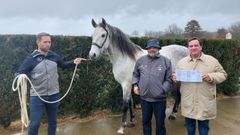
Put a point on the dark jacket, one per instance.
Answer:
(43, 71)
(153, 77)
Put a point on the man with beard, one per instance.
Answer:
(42, 66)
(152, 81)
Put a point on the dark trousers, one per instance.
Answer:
(158, 108)
(203, 126)
(37, 107)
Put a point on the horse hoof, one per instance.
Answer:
(172, 116)
(131, 124)
(120, 131)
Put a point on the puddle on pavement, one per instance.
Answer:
(226, 123)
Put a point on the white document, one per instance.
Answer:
(188, 75)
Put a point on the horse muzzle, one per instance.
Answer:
(92, 56)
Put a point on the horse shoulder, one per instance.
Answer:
(122, 70)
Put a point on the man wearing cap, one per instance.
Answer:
(152, 80)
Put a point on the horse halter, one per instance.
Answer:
(100, 46)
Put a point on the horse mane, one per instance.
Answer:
(122, 41)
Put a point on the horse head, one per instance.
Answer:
(109, 39)
(100, 39)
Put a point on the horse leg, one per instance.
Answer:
(125, 106)
(132, 114)
(125, 111)
(124, 117)
(177, 96)
(177, 99)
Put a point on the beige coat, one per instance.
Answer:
(199, 99)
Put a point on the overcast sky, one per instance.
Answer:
(73, 17)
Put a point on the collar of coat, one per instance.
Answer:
(201, 58)
(36, 53)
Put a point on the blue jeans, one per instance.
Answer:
(37, 107)
(158, 108)
(203, 126)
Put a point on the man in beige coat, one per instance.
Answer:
(199, 98)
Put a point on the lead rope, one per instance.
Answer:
(21, 87)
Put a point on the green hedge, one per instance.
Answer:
(94, 86)
(228, 54)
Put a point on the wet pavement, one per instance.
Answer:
(226, 123)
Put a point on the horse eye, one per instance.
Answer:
(103, 35)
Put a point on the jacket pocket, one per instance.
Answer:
(158, 93)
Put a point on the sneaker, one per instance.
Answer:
(172, 116)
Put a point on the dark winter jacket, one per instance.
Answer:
(153, 77)
(43, 71)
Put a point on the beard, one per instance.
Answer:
(45, 50)
(153, 54)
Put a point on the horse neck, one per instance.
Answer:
(115, 54)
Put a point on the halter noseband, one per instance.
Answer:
(93, 43)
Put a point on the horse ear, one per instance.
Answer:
(104, 22)
(94, 23)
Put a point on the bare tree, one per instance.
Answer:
(135, 33)
(208, 35)
(235, 30)
(221, 33)
(154, 34)
(193, 29)
(173, 31)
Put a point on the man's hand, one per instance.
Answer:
(77, 61)
(206, 77)
(174, 78)
(136, 90)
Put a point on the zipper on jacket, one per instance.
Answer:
(47, 76)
